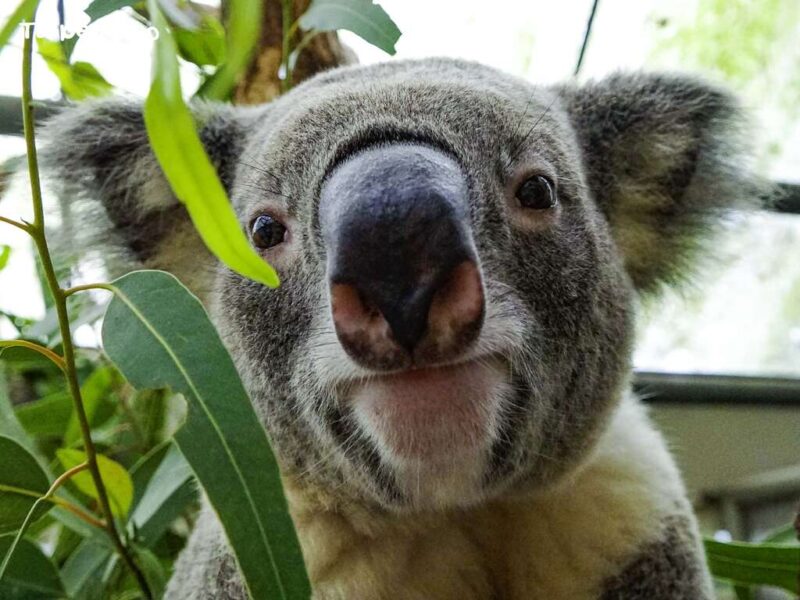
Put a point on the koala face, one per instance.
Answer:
(459, 253)
(452, 317)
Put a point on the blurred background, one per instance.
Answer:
(718, 360)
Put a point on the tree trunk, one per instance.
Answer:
(261, 82)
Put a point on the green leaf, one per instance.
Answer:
(180, 13)
(23, 13)
(158, 334)
(78, 80)
(243, 28)
(783, 535)
(204, 45)
(5, 253)
(367, 20)
(22, 482)
(30, 575)
(23, 360)
(755, 564)
(100, 8)
(186, 165)
(82, 570)
(117, 482)
(169, 492)
(743, 592)
(9, 424)
(145, 468)
(47, 416)
(152, 569)
(10, 428)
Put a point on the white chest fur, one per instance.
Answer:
(562, 543)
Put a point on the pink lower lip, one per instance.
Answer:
(428, 413)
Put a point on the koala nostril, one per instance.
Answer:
(457, 309)
(442, 314)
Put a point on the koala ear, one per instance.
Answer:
(99, 152)
(663, 159)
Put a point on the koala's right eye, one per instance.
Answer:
(267, 232)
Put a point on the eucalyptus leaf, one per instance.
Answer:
(158, 334)
(100, 8)
(743, 592)
(5, 254)
(181, 14)
(153, 570)
(9, 424)
(24, 360)
(203, 46)
(79, 80)
(754, 564)
(30, 575)
(23, 13)
(10, 428)
(22, 482)
(243, 27)
(115, 478)
(81, 571)
(783, 535)
(48, 416)
(174, 139)
(144, 469)
(367, 20)
(168, 493)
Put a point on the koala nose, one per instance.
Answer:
(405, 285)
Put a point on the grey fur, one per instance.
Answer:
(667, 569)
(643, 164)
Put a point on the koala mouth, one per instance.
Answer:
(433, 415)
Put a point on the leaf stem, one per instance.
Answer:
(37, 231)
(65, 504)
(29, 517)
(17, 224)
(46, 352)
(87, 286)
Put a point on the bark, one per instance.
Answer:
(261, 82)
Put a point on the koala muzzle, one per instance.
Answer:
(405, 285)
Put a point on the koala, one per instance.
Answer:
(444, 372)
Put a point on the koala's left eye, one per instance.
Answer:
(267, 232)
(537, 192)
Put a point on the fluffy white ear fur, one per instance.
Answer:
(561, 543)
(666, 155)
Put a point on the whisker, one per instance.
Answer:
(518, 147)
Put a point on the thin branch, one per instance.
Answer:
(37, 231)
(65, 476)
(16, 224)
(60, 502)
(46, 352)
(34, 508)
(586, 35)
(87, 286)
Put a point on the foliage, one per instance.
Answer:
(102, 474)
(746, 564)
(79, 80)
(97, 483)
(367, 20)
(752, 46)
(159, 336)
(187, 167)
